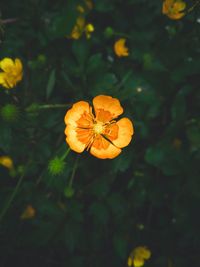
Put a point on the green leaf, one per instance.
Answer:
(178, 108)
(5, 138)
(51, 83)
(99, 212)
(81, 49)
(120, 245)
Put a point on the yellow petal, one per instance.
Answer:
(18, 65)
(3, 80)
(179, 6)
(107, 151)
(125, 133)
(6, 64)
(72, 139)
(176, 16)
(28, 213)
(167, 4)
(75, 113)
(120, 49)
(129, 262)
(107, 104)
(138, 262)
(6, 162)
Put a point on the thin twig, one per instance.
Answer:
(8, 21)
(9, 202)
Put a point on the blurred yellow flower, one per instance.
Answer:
(173, 8)
(88, 5)
(89, 28)
(81, 27)
(138, 256)
(28, 213)
(6, 162)
(12, 72)
(80, 9)
(77, 30)
(120, 49)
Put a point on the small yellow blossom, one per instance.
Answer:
(88, 5)
(174, 8)
(81, 27)
(138, 256)
(88, 30)
(78, 29)
(11, 72)
(80, 9)
(129, 262)
(120, 49)
(6, 162)
(28, 213)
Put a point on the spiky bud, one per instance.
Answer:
(10, 113)
(56, 166)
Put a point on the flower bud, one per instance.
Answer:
(10, 113)
(56, 166)
(108, 32)
(69, 192)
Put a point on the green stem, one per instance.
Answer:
(65, 154)
(73, 172)
(8, 204)
(48, 106)
(126, 77)
(191, 8)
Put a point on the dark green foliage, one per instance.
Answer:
(94, 212)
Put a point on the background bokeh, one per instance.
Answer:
(147, 196)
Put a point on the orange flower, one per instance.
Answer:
(173, 8)
(28, 213)
(99, 133)
(120, 49)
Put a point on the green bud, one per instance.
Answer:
(69, 192)
(10, 113)
(21, 169)
(56, 166)
(33, 64)
(41, 59)
(108, 32)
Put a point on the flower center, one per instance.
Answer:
(98, 127)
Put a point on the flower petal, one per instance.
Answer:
(75, 113)
(176, 16)
(120, 48)
(138, 262)
(179, 6)
(167, 4)
(6, 64)
(72, 139)
(111, 107)
(104, 151)
(125, 133)
(3, 80)
(18, 65)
